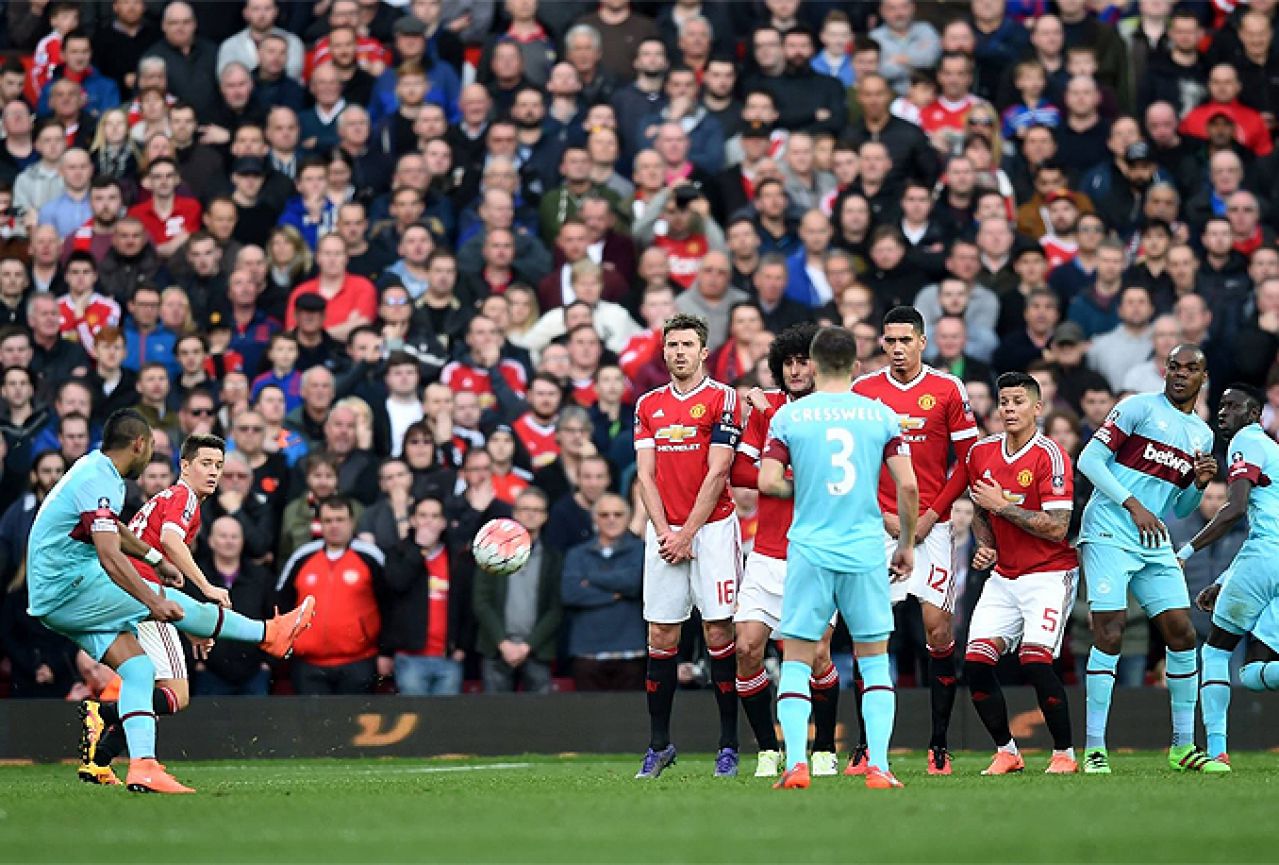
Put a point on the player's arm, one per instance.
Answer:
(1051, 525)
(772, 479)
(646, 475)
(1188, 499)
(952, 489)
(903, 474)
(719, 459)
(107, 541)
(1235, 509)
(134, 547)
(175, 549)
(1094, 462)
(985, 555)
(745, 472)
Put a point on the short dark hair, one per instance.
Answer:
(337, 502)
(684, 321)
(191, 447)
(1019, 379)
(320, 458)
(794, 341)
(104, 182)
(834, 350)
(122, 428)
(81, 256)
(905, 315)
(1255, 396)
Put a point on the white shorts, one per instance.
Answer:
(708, 582)
(163, 646)
(933, 580)
(760, 598)
(1033, 609)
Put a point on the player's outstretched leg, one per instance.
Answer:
(1037, 666)
(859, 759)
(723, 680)
(988, 699)
(824, 688)
(137, 681)
(1214, 691)
(274, 636)
(1100, 688)
(660, 684)
(879, 706)
(943, 686)
(794, 706)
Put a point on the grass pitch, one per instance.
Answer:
(589, 809)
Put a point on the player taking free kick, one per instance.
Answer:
(1153, 454)
(685, 436)
(84, 587)
(835, 440)
(1023, 486)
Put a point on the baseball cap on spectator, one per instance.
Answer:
(757, 129)
(248, 165)
(1062, 194)
(1067, 333)
(408, 26)
(311, 302)
(1138, 151)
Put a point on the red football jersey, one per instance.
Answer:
(639, 350)
(464, 378)
(184, 217)
(941, 113)
(1058, 251)
(175, 509)
(685, 256)
(1038, 477)
(100, 311)
(934, 411)
(682, 428)
(537, 439)
(774, 514)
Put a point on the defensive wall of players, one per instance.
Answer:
(291, 727)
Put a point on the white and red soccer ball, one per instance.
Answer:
(501, 546)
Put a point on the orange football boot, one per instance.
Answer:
(282, 630)
(794, 779)
(147, 775)
(1005, 764)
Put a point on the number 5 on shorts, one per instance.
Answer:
(1050, 618)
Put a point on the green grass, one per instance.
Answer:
(588, 809)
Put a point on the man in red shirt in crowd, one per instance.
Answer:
(84, 311)
(350, 300)
(685, 436)
(536, 427)
(169, 218)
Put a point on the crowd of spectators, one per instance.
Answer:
(412, 257)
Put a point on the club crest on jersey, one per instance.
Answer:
(675, 433)
(927, 401)
(1236, 457)
(697, 412)
(350, 577)
(1025, 477)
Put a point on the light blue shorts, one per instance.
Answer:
(1153, 576)
(813, 593)
(1248, 592)
(98, 613)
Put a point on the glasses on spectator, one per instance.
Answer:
(395, 301)
(250, 429)
(611, 515)
(530, 509)
(1092, 229)
(202, 412)
(981, 121)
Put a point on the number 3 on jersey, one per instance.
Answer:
(839, 460)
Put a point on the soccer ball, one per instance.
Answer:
(501, 546)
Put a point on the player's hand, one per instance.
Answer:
(984, 558)
(385, 666)
(678, 547)
(1205, 469)
(201, 647)
(1151, 529)
(903, 563)
(987, 495)
(218, 596)
(893, 525)
(756, 400)
(170, 575)
(925, 524)
(164, 610)
(1207, 599)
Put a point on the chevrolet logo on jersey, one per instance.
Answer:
(676, 433)
(910, 424)
(1014, 498)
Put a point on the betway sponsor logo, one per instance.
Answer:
(1167, 458)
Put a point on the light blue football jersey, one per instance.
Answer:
(836, 444)
(60, 551)
(1254, 455)
(1152, 445)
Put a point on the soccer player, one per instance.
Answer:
(169, 522)
(1153, 453)
(83, 586)
(686, 433)
(1023, 486)
(1245, 598)
(935, 417)
(759, 601)
(833, 441)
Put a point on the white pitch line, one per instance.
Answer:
(387, 770)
